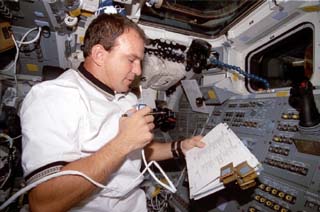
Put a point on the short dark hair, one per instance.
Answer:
(105, 29)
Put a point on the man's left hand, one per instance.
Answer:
(192, 142)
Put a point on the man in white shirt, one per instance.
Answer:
(76, 122)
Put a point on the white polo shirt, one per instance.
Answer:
(72, 117)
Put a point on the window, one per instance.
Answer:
(201, 18)
(283, 61)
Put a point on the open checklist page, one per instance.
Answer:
(204, 164)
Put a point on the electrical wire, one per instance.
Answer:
(9, 139)
(14, 63)
(170, 187)
(181, 176)
(44, 179)
(160, 201)
(21, 42)
(18, 45)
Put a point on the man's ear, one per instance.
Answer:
(98, 54)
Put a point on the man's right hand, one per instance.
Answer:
(135, 130)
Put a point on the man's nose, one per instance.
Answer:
(137, 69)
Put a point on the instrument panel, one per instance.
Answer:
(289, 153)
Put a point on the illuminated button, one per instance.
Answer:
(281, 194)
(262, 199)
(285, 116)
(257, 197)
(295, 116)
(268, 189)
(251, 209)
(284, 210)
(276, 139)
(289, 198)
(274, 191)
(276, 207)
(269, 203)
(262, 186)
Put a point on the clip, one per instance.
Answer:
(227, 173)
(242, 173)
(246, 175)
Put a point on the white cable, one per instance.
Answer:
(27, 33)
(181, 176)
(15, 58)
(80, 4)
(99, 9)
(46, 178)
(15, 64)
(171, 187)
(17, 45)
(7, 177)
(16, 137)
(102, 8)
(9, 139)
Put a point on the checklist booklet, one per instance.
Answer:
(204, 164)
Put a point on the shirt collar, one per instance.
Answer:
(97, 83)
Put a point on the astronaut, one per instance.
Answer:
(76, 122)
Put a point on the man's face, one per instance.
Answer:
(123, 62)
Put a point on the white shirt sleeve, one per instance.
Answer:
(50, 120)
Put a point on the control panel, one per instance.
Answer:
(289, 153)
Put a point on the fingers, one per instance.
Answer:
(198, 141)
(192, 142)
(136, 127)
(197, 138)
(151, 126)
(200, 144)
(144, 111)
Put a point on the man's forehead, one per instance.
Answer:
(130, 46)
